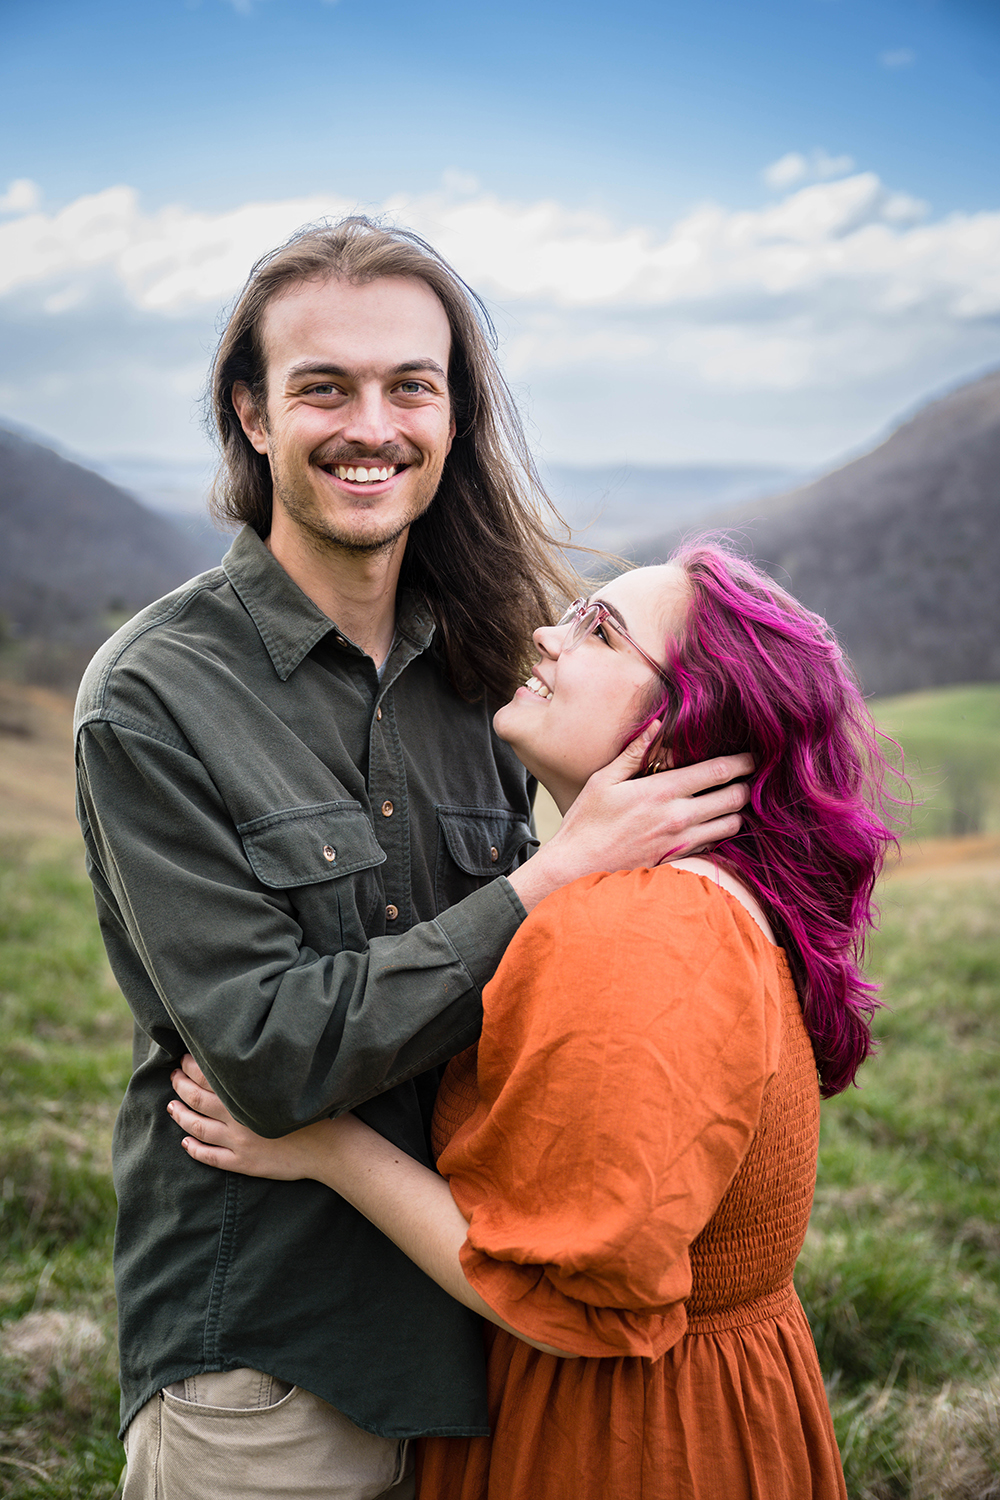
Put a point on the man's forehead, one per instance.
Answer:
(385, 314)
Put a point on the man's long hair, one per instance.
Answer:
(482, 556)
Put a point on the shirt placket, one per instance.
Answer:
(390, 812)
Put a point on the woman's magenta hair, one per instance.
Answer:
(752, 670)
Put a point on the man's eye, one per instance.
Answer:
(322, 390)
(411, 387)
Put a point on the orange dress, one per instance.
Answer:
(634, 1147)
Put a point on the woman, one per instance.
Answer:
(627, 1162)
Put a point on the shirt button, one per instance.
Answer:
(391, 912)
(387, 809)
(378, 713)
(494, 854)
(329, 854)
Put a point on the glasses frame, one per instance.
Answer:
(580, 627)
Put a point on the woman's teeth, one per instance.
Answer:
(363, 476)
(534, 686)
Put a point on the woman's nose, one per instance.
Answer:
(549, 639)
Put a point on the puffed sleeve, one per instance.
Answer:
(629, 1035)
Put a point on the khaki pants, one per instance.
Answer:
(241, 1435)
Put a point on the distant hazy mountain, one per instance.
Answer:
(611, 506)
(899, 550)
(607, 505)
(79, 553)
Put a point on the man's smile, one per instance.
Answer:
(374, 475)
(359, 474)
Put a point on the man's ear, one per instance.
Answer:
(250, 418)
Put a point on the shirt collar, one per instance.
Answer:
(290, 624)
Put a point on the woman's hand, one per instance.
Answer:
(214, 1137)
(405, 1200)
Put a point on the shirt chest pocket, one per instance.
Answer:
(475, 844)
(325, 858)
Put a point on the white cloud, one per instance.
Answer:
(899, 57)
(787, 170)
(850, 233)
(794, 167)
(838, 287)
(21, 197)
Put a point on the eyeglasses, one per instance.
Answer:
(584, 618)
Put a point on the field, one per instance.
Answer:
(901, 1271)
(952, 741)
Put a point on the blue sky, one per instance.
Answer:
(723, 231)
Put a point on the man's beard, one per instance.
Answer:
(321, 531)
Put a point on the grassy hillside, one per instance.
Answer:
(951, 743)
(63, 1068)
(901, 1271)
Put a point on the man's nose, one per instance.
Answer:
(371, 420)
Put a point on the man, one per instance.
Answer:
(295, 808)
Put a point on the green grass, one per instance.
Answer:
(951, 743)
(901, 1270)
(64, 1064)
(900, 1275)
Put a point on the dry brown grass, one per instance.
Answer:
(36, 764)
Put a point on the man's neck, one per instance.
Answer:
(355, 589)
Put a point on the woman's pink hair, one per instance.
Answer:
(752, 670)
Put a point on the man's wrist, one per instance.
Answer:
(546, 871)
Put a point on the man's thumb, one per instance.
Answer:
(629, 762)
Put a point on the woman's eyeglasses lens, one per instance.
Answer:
(581, 618)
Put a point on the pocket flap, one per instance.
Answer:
(482, 840)
(305, 845)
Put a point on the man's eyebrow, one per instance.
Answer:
(412, 365)
(319, 367)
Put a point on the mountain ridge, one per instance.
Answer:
(899, 549)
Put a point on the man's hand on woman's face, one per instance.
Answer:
(619, 822)
(665, 816)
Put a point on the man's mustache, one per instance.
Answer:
(350, 453)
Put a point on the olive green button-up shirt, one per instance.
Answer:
(295, 870)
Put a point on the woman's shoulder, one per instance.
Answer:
(689, 897)
(633, 933)
(716, 873)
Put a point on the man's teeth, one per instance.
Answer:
(534, 686)
(363, 476)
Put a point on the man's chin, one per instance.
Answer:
(356, 543)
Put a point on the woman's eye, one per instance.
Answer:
(602, 634)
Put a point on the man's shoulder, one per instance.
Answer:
(183, 620)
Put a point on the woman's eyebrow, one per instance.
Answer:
(615, 613)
